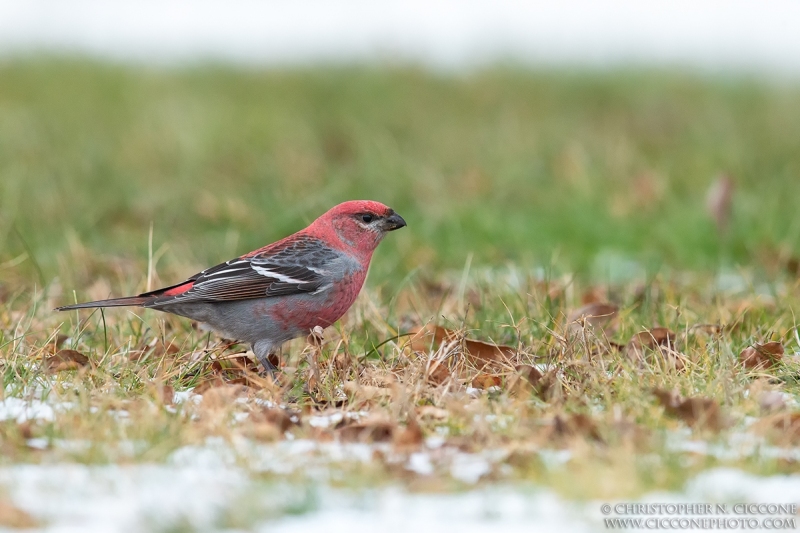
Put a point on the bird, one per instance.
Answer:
(283, 290)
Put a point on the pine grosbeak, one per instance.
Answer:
(283, 290)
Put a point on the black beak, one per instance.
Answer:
(393, 222)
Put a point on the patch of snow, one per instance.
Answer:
(215, 453)
(469, 468)
(109, 499)
(435, 441)
(420, 463)
(37, 443)
(394, 511)
(554, 458)
(23, 410)
(730, 484)
(184, 396)
(737, 445)
(324, 421)
(196, 494)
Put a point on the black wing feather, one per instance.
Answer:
(264, 275)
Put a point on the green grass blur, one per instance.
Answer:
(538, 168)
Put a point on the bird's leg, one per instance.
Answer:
(263, 350)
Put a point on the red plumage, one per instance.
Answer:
(285, 289)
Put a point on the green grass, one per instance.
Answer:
(535, 168)
(523, 190)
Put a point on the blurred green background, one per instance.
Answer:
(539, 168)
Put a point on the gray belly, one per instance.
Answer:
(245, 320)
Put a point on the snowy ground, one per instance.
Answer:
(72, 498)
(297, 485)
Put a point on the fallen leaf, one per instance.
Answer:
(163, 392)
(209, 383)
(485, 381)
(787, 426)
(762, 356)
(577, 425)
(365, 392)
(376, 430)
(658, 336)
(409, 437)
(657, 339)
(430, 411)
(480, 354)
(438, 372)
(342, 361)
(600, 317)
(169, 349)
(65, 360)
(58, 341)
(595, 295)
(697, 412)
(262, 431)
(222, 396)
(529, 379)
(279, 418)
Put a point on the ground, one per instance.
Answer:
(594, 300)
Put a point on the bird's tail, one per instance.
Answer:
(113, 302)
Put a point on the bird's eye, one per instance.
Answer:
(367, 218)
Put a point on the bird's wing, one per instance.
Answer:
(301, 266)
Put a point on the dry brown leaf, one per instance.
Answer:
(594, 295)
(577, 425)
(234, 369)
(163, 392)
(529, 379)
(531, 374)
(485, 354)
(208, 383)
(365, 392)
(342, 361)
(409, 437)
(762, 356)
(787, 426)
(658, 339)
(374, 430)
(485, 381)
(262, 431)
(169, 349)
(480, 354)
(65, 360)
(695, 411)
(222, 396)
(438, 373)
(600, 316)
(719, 200)
(430, 411)
(58, 342)
(658, 336)
(279, 418)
